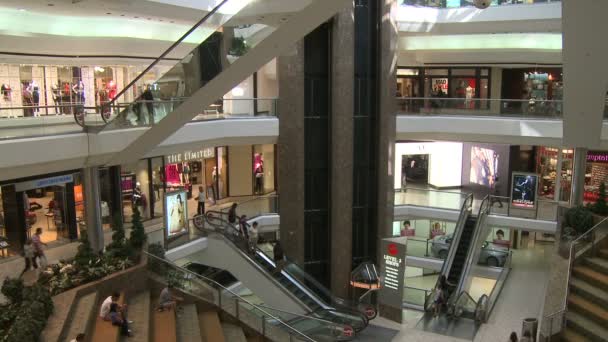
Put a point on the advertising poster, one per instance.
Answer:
(523, 190)
(176, 213)
(484, 166)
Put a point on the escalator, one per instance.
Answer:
(233, 40)
(462, 251)
(313, 298)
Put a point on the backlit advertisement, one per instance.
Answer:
(484, 166)
(523, 190)
(176, 213)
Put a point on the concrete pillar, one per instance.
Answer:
(387, 118)
(290, 72)
(585, 73)
(342, 125)
(578, 176)
(92, 209)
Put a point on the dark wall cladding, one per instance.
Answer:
(317, 113)
(365, 131)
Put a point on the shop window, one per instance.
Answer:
(263, 169)
(463, 72)
(407, 72)
(464, 88)
(436, 72)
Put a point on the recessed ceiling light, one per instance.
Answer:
(135, 17)
(122, 15)
(108, 13)
(50, 5)
(22, 9)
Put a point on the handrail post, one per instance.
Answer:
(236, 309)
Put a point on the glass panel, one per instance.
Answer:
(464, 88)
(463, 72)
(436, 72)
(158, 186)
(263, 169)
(485, 72)
(222, 170)
(407, 72)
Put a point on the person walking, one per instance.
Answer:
(28, 256)
(38, 252)
(201, 201)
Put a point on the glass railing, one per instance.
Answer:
(419, 247)
(430, 198)
(485, 307)
(442, 106)
(255, 207)
(467, 3)
(413, 296)
(31, 121)
(271, 323)
(220, 39)
(545, 209)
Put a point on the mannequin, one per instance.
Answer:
(78, 90)
(6, 96)
(56, 98)
(36, 98)
(469, 91)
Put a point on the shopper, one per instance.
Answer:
(513, 337)
(232, 214)
(104, 311)
(79, 338)
(495, 198)
(253, 237)
(38, 252)
(244, 227)
(28, 256)
(279, 258)
(406, 228)
(167, 300)
(118, 319)
(201, 201)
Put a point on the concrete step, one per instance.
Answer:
(233, 333)
(588, 309)
(83, 316)
(598, 264)
(188, 328)
(591, 276)
(589, 291)
(570, 335)
(586, 327)
(139, 313)
(211, 328)
(164, 325)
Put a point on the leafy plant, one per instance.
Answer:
(85, 253)
(578, 218)
(12, 289)
(119, 248)
(600, 207)
(239, 46)
(176, 279)
(157, 250)
(31, 315)
(138, 234)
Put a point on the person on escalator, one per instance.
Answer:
(440, 295)
(279, 258)
(244, 227)
(253, 237)
(232, 214)
(513, 337)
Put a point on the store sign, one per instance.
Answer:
(393, 271)
(190, 155)
(597, 157)
(523, 190)
(44, 182)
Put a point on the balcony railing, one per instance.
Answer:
(466, 3)
(533, 109)
(33, 121)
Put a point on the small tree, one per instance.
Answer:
(85, 253)
(579, 218)
(12, 289)
(138, 234)
(118, 247)
(600, 207)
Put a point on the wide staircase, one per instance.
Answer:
(587, 316)
(194, 321)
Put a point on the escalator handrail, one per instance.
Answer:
(472, 254)
(166, 52)
(315, 297)
(462, 219)
(231, 292)
(458, 303)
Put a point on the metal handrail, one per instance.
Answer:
(462, 218)
(234, 294)
(251, 200)
(476, 99)
(167, 51)
(433, 190)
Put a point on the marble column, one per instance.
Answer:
(92, 209)
(342, 126)
(386, 131)
(290, 109)
(578, 176)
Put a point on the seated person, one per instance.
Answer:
(167, 300)
(104, 312)
(117, 318)
(79, 338)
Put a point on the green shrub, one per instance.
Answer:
(85, 253)
(579, 218)
(157, 250)
(239, 46)
(600, 207)
(12, 289)
(119, 248)
(138, 234)
(31, 317)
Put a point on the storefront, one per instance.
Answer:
(447, 82)
(52, 202)
(65, 89)
(222, 172)
(596, 173)
(555, 170)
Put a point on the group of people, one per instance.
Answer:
(33, 252)
(112, 311)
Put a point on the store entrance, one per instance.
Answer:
(47, 210)
(415, 168)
